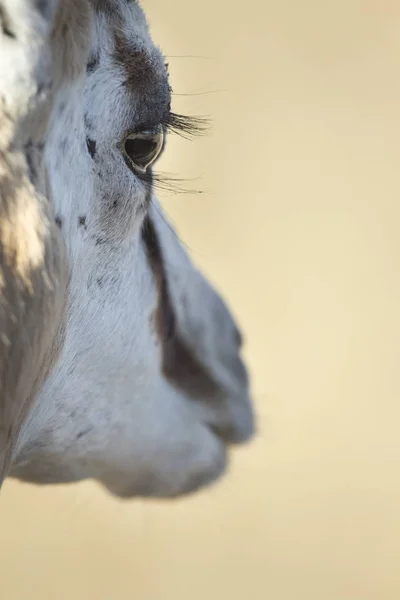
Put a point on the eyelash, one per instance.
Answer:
(187, 127)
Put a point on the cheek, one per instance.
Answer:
(119, 199)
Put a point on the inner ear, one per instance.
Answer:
(179, 365)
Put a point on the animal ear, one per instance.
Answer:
(199, 338)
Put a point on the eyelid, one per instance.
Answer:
(147, 128)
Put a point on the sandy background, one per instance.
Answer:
(299, 227)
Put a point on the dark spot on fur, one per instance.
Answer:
(64, 29)
(5, 24)
(91, 146)
(88, 123)
(82, 222)
(100, 241)
(115, 204)
(84, 432)
(100, 281)
(92, 64)
(58, 222)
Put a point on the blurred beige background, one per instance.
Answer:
(299, 228)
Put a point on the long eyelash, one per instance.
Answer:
(186, 127)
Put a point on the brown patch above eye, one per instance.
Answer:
(179, 364)
(144, 76)
(136, 62)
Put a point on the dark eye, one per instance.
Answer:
(144, 148)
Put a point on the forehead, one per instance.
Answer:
(123, 35)
(118, 11)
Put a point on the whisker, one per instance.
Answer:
(189, 56)
(170, 227)
(169, 183)
(205, 93)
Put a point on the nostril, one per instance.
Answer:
(238, 337)
(226, 434)
(233, 420)
(232, 435)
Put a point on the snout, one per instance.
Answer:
(201, 341)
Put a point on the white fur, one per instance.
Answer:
(106, 411)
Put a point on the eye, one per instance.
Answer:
(143, 148)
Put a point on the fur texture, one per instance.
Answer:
(33, 270)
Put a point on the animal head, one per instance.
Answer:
(147, 390)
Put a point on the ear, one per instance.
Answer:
(199, 338)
